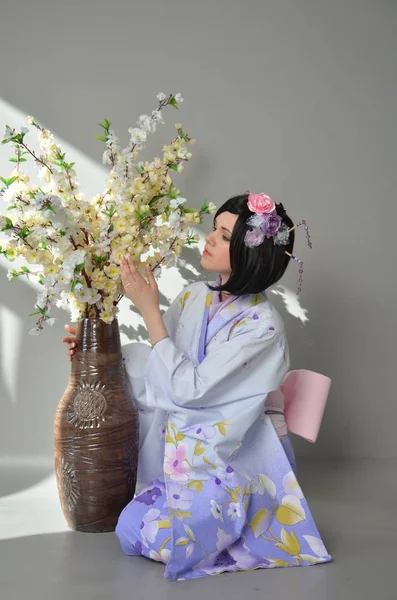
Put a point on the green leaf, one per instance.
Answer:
(173, 167)
(100, 260)
(8, 182)
(171, 192)
(9, 225)
(101, 138)
(25, 269)
(78, 268)
(24, 233)
(105, 124)
(47, 206)
(17, 160)
(74, 283)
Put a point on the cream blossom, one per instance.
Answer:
(72, 245)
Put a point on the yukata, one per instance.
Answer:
(216, 489)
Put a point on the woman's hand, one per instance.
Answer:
(70, 341)
(143, 294)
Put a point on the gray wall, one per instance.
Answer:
(293, 97)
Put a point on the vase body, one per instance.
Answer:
(96, 432)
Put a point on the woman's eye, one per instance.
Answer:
(226, 239)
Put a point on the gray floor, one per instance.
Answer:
(353, 504)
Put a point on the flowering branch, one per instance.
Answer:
(78, 243)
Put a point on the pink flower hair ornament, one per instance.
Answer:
(266, 223)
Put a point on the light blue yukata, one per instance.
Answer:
(216, 488)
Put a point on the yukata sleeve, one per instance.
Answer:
(251, 362)
(136, 354)
(173, 312)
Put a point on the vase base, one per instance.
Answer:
(94, 528)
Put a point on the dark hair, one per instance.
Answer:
(253, 269)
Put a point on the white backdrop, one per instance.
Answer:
(293, 97)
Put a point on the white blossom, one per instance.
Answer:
(175, 220)
(157, 115)
(216, 510)
(138, 136)
(41, 300)
(177, 202)
(106, 158)
(75, 258)
(9, 133)
(82, 293)
(147, 124)
(10, 195)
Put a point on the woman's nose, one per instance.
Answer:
(209, 238)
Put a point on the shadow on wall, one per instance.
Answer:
(188, 270)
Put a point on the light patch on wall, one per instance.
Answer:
(11, 328)
(291, 303)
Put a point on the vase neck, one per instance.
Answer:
(97, 342)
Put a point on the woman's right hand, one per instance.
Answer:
(70, 341)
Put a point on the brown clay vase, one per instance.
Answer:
(96, 432)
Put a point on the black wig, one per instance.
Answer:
(253, 269)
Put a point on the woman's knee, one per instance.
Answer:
(126, 531)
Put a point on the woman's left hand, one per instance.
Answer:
(143, 294)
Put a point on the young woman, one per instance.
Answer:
(217, 489)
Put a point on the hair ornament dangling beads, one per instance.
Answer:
(266, 223)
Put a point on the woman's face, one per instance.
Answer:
(216, 256)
